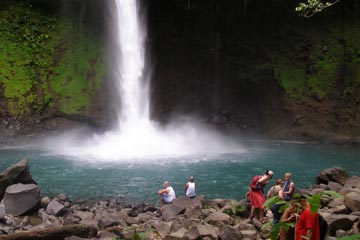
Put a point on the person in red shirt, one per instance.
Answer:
(307, 226)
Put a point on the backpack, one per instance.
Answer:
(254, 185)
(323, 227)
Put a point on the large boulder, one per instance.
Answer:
(335, 174)
(170, 211)
(17, 173)
(352, 201)
(21, 198)
(340, 221)
(218, 219)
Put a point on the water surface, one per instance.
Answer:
(223, 175)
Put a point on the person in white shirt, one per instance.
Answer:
(190, 188)
(167, 194)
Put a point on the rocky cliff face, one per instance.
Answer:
(256, 67)
(266, 67)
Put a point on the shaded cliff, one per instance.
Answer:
(253, 66)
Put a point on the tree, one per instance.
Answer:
(311, 7)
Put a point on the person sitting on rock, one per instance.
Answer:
(289, 187)
(167, 194)
(190, 188)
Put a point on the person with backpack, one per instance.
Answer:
(256, 194)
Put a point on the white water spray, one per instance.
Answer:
(136, 136)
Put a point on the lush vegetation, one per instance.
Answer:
(46, 62)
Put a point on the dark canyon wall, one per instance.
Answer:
(253, 65)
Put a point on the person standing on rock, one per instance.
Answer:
(256, 194)
(190, 188)
(289, 187)
(167, 194)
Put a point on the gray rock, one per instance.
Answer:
(353, 183)
(2, 211)
(170, 211)
(202, 231)
(335, 174)
(178, 223)
(163, 228)
(21, 198)
(44, 202)
(17, 173)
(218, 219)
(334, 186)
(250, 234)
(195, 212)
(178, 235)
(345, 191)
(340, 221)
(55, 208)
(229, 232)
(352, 201)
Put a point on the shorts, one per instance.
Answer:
(166, 199)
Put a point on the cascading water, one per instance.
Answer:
(130, 62)
(135, 136)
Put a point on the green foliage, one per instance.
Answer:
(236, 209)
(45, 62)
(314, 202)
(311, 7)
(352, 237)
(324, 65)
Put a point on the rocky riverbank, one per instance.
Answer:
(25, 214)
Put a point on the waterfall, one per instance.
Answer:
(129, 64)
(135, 136)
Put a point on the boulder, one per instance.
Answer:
(352, 201)
(353, 183)
(178, 223)
(186, 202)
(340, 221)
(250, 234)
(218, 219)
(163, 228)
(44, 202)
(2, 211)
(55, 208)
(17, 173)
(229, 232)
(202, 231)
(178, 235)
(335, 174)
(195, 212)
(333, 186)
(21, 198)
(170, 211)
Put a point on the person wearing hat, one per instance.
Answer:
(256, 194)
